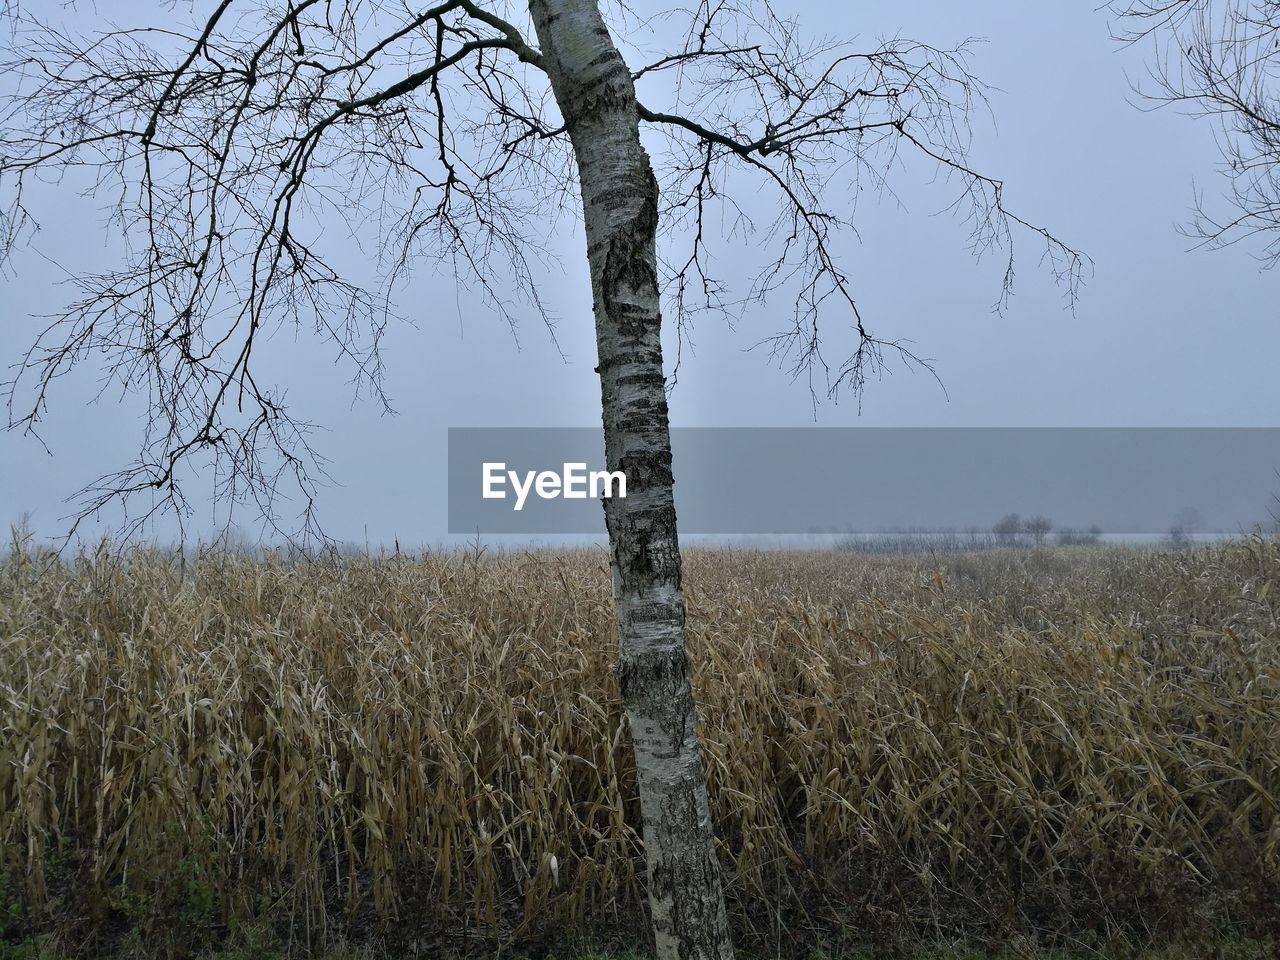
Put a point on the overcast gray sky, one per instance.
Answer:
(1163, 335)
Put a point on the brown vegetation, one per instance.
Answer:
(1061, 742)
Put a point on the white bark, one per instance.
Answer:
(620, 196)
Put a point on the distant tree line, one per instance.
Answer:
(1014, 530)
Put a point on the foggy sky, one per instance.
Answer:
(1163, 335)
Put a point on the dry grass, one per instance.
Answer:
(1055, 740)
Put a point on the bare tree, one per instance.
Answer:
(1037, 528)
(1069, 537)
(1190, 519)
(224, 146)
(1008, 528)
(1221, 59)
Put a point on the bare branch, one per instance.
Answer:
(225, 147)
(750, 95)
(1219, 59)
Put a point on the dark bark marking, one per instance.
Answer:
(629, 260)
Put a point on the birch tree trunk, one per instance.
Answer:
(593, 88)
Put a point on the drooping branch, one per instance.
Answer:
(216, 141)
(748, 94)
(1219, 59)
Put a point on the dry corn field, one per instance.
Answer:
(1071, 739)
